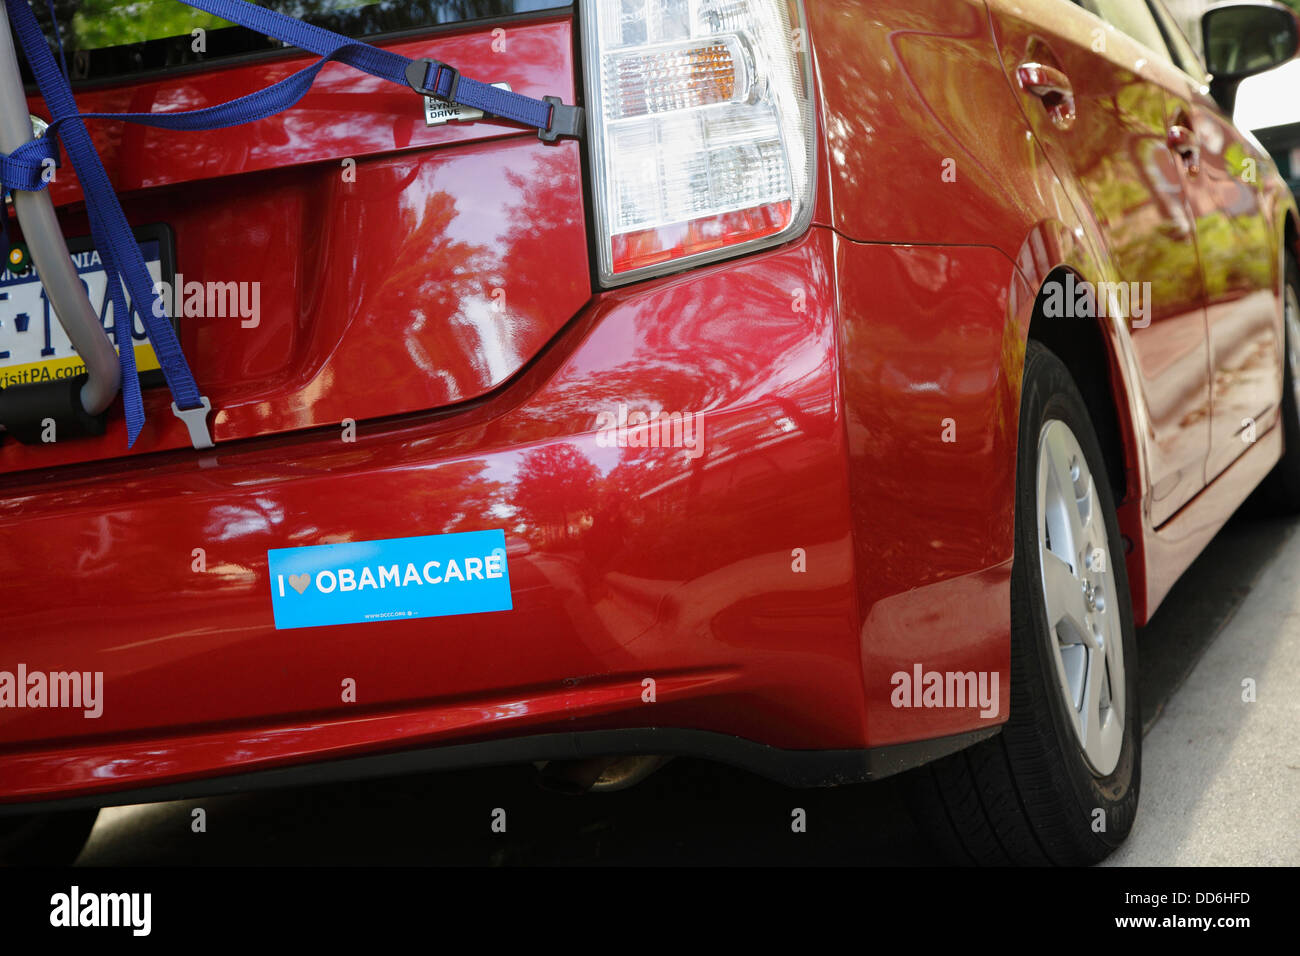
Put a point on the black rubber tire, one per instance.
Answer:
(1280, 491)
(45, 839)
(1027, 796)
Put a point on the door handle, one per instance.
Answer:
(1051, 86)
(1184, 141)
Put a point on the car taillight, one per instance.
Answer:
(702, 129)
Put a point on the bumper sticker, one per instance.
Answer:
(391, 580)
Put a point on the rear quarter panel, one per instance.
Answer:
(927, 144)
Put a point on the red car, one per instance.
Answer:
(837, 405)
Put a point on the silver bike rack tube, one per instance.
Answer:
(48, 249)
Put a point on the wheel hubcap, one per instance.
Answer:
(1084, 634)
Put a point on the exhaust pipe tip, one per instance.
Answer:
(598, 774)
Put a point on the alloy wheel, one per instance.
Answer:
(1084, 631)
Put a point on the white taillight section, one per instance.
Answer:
(702, 129)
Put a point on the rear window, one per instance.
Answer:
(107, 39)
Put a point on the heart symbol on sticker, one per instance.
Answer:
(300, 582)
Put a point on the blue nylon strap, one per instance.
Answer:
(284, 93)
(24, 167)
(369, 59)
(305, 36)
(58, 36)
(118, 250)
(274, 99)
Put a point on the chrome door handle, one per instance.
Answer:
(1051, 86)
(1184, 141)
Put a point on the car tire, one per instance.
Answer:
(1059, 785)
(1280, 491)
(45, 839)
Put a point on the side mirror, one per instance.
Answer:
(1243, 39)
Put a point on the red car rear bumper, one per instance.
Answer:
(762, 586)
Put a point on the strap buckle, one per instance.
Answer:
(196, 421)
(417, 74)
(565, 121)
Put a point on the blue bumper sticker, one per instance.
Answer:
(392, 580)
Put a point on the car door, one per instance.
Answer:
(1117, 71)
(1222, 176)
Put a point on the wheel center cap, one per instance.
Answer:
(1090, 596)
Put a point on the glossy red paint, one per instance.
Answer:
(860, 389)
(625, 563)
(895, 120)
(911, 90)
(932, 346)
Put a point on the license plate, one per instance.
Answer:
(33, 345)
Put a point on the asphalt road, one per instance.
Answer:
(1221, 779)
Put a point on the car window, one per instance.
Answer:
(1185, 54)
(106, 39)
(1134, 18)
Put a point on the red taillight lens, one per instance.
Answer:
(633, 251)
(702, 129)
